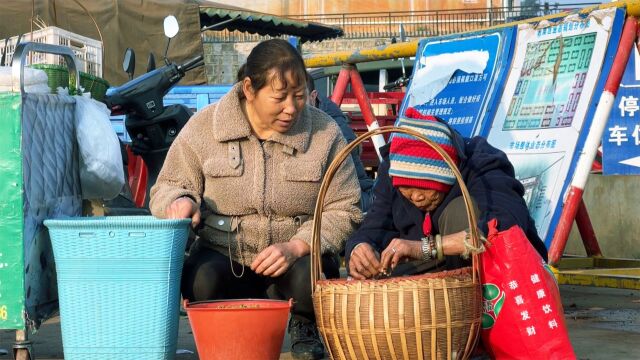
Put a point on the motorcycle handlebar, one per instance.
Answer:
(191, 64)
(396, 84)
(389, 86)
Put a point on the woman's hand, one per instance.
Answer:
(183, 208)
(399, 250)
(363, 262)
(277, 258)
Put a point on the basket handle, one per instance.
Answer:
(86, 11)
(18, 61)
(316, 263)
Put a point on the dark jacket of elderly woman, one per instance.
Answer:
(489, 176)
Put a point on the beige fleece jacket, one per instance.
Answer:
(263, 186)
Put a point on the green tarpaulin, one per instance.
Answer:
(12, 293)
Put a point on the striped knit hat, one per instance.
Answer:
(416, 164)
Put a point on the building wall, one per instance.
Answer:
(222, 60)
(312, 7)
(613, 204)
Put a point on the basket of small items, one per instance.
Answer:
(429, 316)
(58, 76)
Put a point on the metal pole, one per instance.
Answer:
(393, 51)
(383, 79)
(341, 84)
(490, 12)
(594, 136)
(587, 233)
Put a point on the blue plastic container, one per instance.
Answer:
(119, 285)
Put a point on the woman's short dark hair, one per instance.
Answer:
(273, 55)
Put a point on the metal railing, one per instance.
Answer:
(415, 23)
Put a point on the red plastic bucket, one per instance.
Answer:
(238, 329)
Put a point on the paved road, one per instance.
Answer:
(603, 324)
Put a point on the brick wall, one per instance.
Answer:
(222, 60)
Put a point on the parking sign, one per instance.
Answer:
(621, 139)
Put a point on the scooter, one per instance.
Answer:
(151, 125)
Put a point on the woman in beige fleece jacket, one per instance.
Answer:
(254, 162)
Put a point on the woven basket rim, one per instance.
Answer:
(446, 274)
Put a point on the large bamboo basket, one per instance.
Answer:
(430, 316)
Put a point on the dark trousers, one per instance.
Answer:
(453, 219)
(207, 275)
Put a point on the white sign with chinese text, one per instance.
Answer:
(547, 97)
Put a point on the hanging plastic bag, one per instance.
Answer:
(522, 310)
(35, 80)
(101, 169)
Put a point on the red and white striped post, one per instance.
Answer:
(349, 75)
(357, 86)
(588, 235)
(576, 189)
(341, 84)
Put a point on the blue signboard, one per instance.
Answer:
(469, 99)
(621, 139)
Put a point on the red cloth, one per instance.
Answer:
(426, 225)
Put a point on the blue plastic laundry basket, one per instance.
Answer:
(119, 285)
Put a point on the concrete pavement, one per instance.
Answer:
(603, 324)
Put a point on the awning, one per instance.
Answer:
(264, 24)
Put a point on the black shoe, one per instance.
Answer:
(305, 340)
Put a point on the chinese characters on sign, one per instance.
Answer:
(564, 27)
(628, 106)
(533, 145)
(618, 134)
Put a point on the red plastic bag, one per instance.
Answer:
(522, 311)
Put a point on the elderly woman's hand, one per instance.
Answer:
(276, 259)
(183, 208)
(363, 262)
(399, 250)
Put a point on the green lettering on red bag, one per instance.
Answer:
(492, 302)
